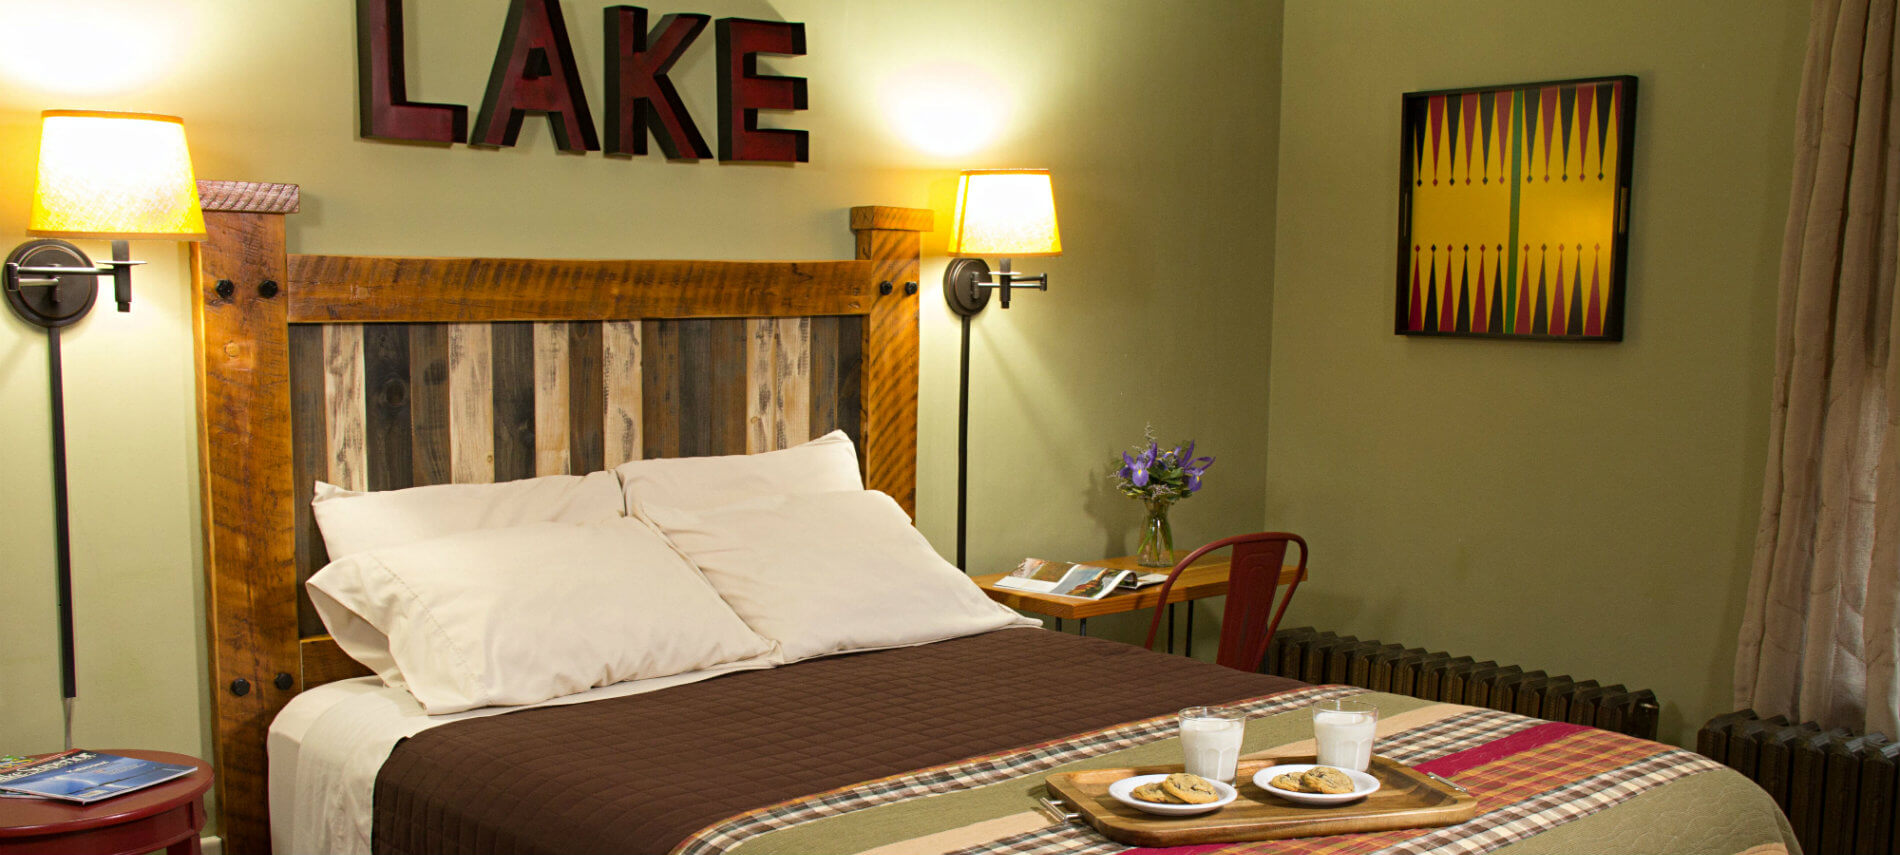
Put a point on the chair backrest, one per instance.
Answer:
(1253, 579)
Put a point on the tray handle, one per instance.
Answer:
(1056, 810)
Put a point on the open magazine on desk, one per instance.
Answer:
(1083, 581)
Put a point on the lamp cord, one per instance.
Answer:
(62, 534)
(963, 441)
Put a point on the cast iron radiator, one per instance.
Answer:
(1323, 657)
(1837, 788)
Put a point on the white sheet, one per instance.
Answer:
(328, 743)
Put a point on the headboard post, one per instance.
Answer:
(244, 466)
(891, 237)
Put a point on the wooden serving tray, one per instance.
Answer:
(1407, 798)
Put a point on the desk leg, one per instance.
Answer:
(1171, 611)
(1084, 623)
(1190, 630)
(1058, 624)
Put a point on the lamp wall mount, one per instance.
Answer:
(52, 283)
(967, 283)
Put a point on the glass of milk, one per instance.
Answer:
(1343, 732)
(1210, 740)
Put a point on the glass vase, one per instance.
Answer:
(1157, 538)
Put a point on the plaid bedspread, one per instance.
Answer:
(1542, 787)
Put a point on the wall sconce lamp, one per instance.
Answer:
(1000, 213)
(102, 175)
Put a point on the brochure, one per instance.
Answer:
(86, 776)
(1143, 580)
(1067, 580)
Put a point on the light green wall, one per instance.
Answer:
(1156, 312)
(1585, 509)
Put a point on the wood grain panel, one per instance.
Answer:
(471, 404)
(896, 219)
(431, 456)
(389, 443)
(850, 381)
(621, 372)
(822, 410)
(761, 383)
(890, 381)
(660, 388)
(725, 394)
(693, 416)
(587, 402)
(343, 398)
(333, 288)
(778, 383)
(552, 397)
(309, 443)
(325, 662)
(251, 197)
(245, 468)
(791, 410)
(513, 395)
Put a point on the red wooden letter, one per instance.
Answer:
(639, 94)
(743, 92)
(382, 100)
(534, 72)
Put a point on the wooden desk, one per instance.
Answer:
(1205, 578)
(167, 816)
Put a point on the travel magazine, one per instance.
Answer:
(85, 776)
(1085, 581)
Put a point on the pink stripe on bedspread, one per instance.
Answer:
(1523, 740)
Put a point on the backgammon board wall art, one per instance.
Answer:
(1514, 210)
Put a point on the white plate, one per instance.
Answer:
(1362, 785)
(1120, 791)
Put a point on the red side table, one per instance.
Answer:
(168, 816)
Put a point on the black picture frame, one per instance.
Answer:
(1476, 169)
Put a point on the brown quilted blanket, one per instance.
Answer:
(643, 773)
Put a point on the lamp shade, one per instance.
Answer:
(1005, 212)
(114, 175)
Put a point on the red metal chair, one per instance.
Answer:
(1253, 580)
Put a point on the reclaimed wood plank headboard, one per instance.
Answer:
(381, 373)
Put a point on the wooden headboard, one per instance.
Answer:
(381, 373)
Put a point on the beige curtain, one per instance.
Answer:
(1818, 639)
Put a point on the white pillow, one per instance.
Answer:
(519, 615)
(354, 522)
(828, 463)
(824, 573)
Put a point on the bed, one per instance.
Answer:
(385, 373)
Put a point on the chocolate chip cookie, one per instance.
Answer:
(1192, 789)
(1326, 779)
(1152, 792)
(1287, 781)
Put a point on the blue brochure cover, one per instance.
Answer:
(86, 776)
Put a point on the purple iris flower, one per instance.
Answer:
(1133, 471)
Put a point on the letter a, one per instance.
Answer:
(534, 72)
